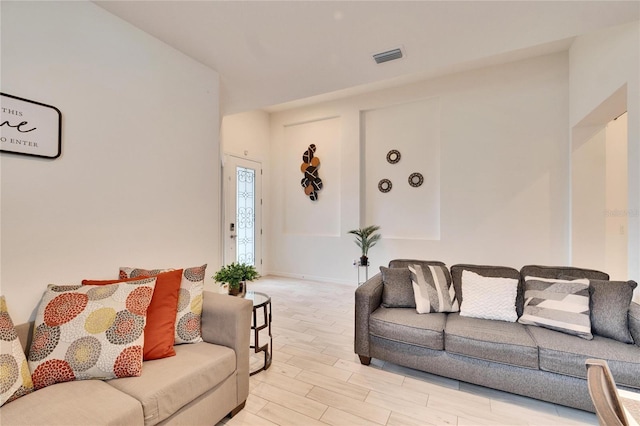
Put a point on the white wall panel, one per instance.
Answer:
(413, 129)
(302, 215)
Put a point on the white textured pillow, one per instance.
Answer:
(488, 297)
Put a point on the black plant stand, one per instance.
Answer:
(262, 302)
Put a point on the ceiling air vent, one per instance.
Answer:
(389, 55)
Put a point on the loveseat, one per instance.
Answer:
(201, 384)
(523, 359)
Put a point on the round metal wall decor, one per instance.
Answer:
(384, 185)
(416, 179)
(393, 156)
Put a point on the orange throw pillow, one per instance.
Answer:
(161, 316)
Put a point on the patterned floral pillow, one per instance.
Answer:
(189, 301)
(89, 332)
(15, 378)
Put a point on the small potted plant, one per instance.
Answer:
(236, 275)
(365, 239)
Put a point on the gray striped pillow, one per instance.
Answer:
(561, 305)
(432, 289)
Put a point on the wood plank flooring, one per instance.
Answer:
(316, 379)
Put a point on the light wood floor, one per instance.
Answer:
(316, 379)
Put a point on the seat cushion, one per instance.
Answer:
(167, 384)
(407, 326)
(564, 354)
(497, 341)
(74, 403)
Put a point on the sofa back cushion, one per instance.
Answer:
(25, 331)
(487, 271)
(405, 263)
(561, 271)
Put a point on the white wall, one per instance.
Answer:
(599, 200)
(600, 64)
(246, 135)
(413, 129)
(588, 201)
(503, 173)
(138, 181)
(617, 182)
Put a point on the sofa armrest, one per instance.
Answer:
(634, 322)
(368, 299)
(226, 321)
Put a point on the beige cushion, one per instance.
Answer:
(167, 384)
(73, 403)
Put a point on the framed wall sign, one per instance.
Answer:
(29, 127)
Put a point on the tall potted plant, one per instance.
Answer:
(236, 275)
(365, 239)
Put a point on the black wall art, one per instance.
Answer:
(311, 181)
(385, 185)
(416, 179)
(393, 156)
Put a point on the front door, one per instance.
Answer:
(243, 211)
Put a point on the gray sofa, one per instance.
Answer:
(521, 359)
(201, 384)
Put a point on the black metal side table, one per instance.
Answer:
(261, 301)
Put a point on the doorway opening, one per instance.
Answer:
(599, 189)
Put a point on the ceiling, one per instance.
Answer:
(276, 54)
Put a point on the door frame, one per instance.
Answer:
(229, 192)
